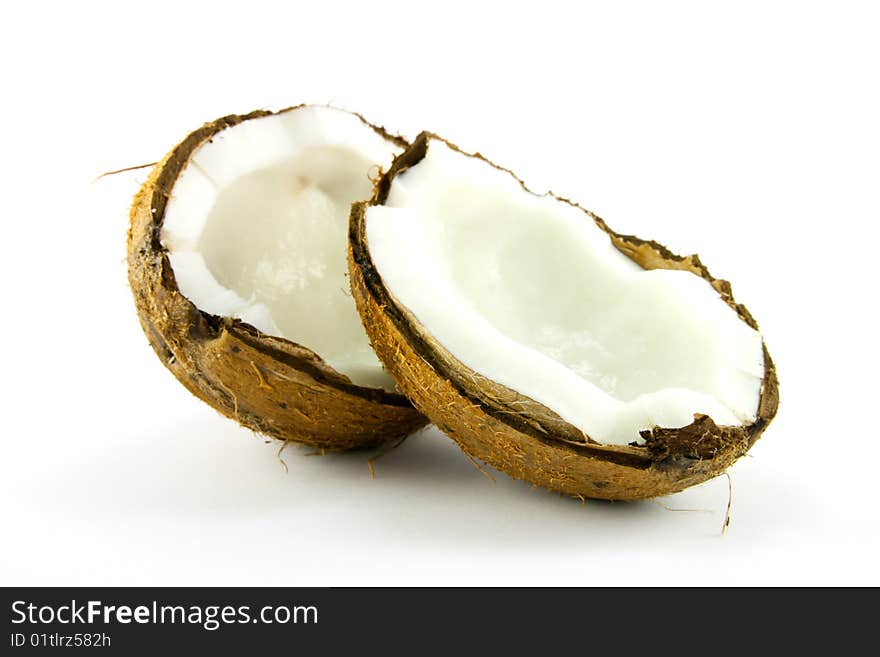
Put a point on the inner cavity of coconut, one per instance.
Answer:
(529, 292)
(256, 229)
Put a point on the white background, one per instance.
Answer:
(749, 134)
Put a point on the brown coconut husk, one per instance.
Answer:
(518, 435)
(268, 384)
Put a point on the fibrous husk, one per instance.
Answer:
(520, 436)
(269, 384)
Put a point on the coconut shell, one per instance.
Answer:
(518, 435)
(268, 384)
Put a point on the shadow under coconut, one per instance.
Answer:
(425, 493)
(447, 499)
(203, 466)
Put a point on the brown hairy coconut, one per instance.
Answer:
(237, 248)
(546, 344)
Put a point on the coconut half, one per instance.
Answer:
(544, 343)
(236, 257)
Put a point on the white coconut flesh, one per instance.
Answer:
(256, 229)
(530, 293)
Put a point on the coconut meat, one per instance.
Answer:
(529, 292)
(256, 228)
